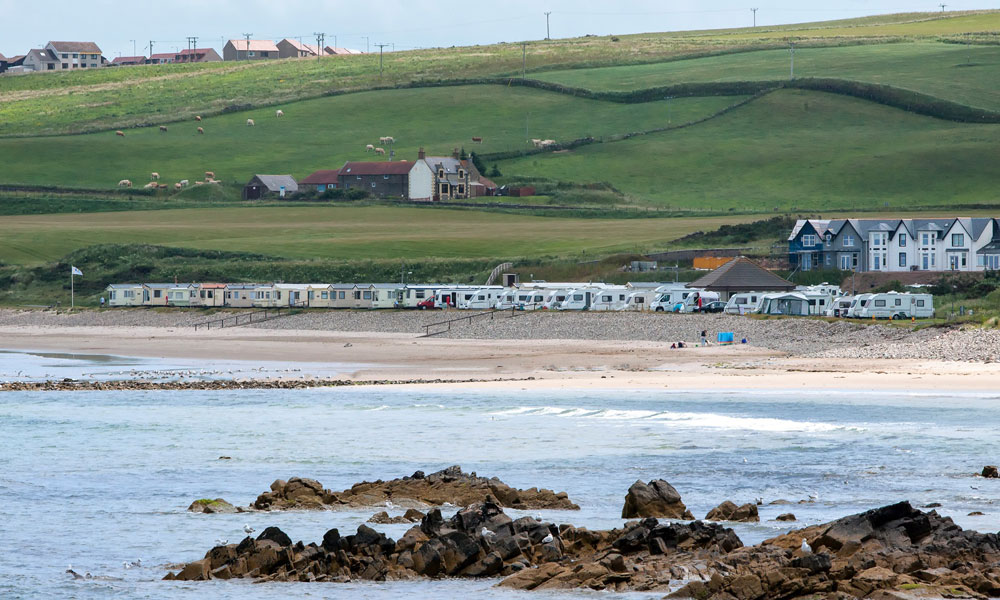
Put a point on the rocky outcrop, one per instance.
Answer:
(990, 472)
(450, 486)
(885, 551)
(654, 499)
(208, 506)
(479, 541)
(412, 515)
(728, 511)
(785, 517)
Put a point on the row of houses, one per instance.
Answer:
(67, 56)
(429, 178)
(896, 245)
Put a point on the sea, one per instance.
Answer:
(95, 480)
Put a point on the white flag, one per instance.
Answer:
(75, 271)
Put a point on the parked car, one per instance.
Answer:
(428, 303)
(711, 307)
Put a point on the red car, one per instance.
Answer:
(428, 303)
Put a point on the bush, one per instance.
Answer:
(341, 194)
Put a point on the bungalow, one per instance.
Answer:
(320, 181)
(249, 50)
(155, 294)
(124, 294)
(128, 61)
(402, 179)
(263, 186)
(240, 295)
(334, 51)
(197, 55)
(289, 48)
(162, 58)
(75, 55)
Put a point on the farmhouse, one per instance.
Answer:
(264, 186)
(895, 245)
(320, 181)
(452, 178)
(249, 50)
(402, 179)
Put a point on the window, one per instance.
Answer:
(368, 295)
(112, 294)
(845, 262)
(420, 294)
(51, 66)
(357, 294)
(578, 296)
(265, 54)
(925, 239)
(83, 65)
(828, 259)
(75, 55)
(957, 239)
(808, 240)
(461, 189)
(251, 53)
(65, 55)
(848, 241)
(440, 173)
(980, 261)
(75, 65)
(461, 174)
(920, 303)
(359, 177)
(156, 293)
(965, 261)
(385, 177)
(65, 65)
(325, 295)
(444, 188)
(373, 185)
(902, 259)
(902, 240)
(899, 302)
(879, 303)
(829, 238)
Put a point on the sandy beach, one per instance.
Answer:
(513, 363)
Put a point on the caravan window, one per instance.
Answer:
(920, 303)
(419, 294)
(368, 295)
(605, 298)
(578, 296)
(899, 302)
(639, 300)
(879, 303)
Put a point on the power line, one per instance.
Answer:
(547, 35)
(380, 47)
(320, 37)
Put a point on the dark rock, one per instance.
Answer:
(728, 511)
(991, 472)
(211, 506)
(331, 540)
(275, 535)
(655, 499)
(785, 517)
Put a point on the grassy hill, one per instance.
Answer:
(794, 150)
(115, 98)
(326, 132)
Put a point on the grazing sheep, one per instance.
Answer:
(537, 143)
(279, 113)
(369, 147)
(154, 176)
(201, 130)
(162, 186)
(547, 143)
(209, 174)
(212, 181)
(177, 186)
(380, 151)
(120, 133)
(151, 185)
(477, 140)
(163, 128)
(250, 123)
(198, 118)
(383, 140)
(125, 183)
(199, 183)
(184, 182)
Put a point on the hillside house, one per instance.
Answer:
(452, 178)
(252, 50)
(400, 179)
(197, 55)
(320, 181)
(896, 245)
(289, 48)
(75, 55)
(334, 51)
(37, 60)
(270, 186)
(128, 61)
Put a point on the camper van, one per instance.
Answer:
(691, 302)
(579, 299)
(839, 306)
(894, 305)
(821, 288)
(668, 298)
(742, 303)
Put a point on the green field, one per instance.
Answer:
(124, 97)
(965, 74)
(325, 132)
(342, 233)
(795, 151)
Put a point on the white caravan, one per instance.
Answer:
(668, 300)
(743, 303)
(554, 298)
(579, 299)
(691, 302)
(857, 305)
(640, 301)
(894, 305)
(611, 298)
(839, 306)
(821, 288)
(448, 297)
(480, 299)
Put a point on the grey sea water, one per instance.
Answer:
(94, 479)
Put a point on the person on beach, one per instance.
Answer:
(704, 337)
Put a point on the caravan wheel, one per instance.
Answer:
(897, 317)
(659, 309)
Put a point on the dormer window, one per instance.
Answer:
(461, 174)
(440, 173)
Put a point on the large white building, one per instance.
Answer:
(954, 244)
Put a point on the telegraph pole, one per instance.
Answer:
(133, 48)
(754, 11)
(547, 34)
(380, 47)
(247, 36)
(942, 6)
(193, 45)
(150, 48)
(320, 37)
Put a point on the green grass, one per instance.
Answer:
(325, 132)
(964, 74)
(341, 233)
(49, 103)
(794, 151)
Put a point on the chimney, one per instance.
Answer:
(455, 154)
(421, 155)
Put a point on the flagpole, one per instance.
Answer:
(72, 295)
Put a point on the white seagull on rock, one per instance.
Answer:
(248, 530)
(806, 547)
(547, 539)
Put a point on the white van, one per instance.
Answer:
(894, 305)
(742, 303)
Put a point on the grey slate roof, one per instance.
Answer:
(742, 273)
(273, 183)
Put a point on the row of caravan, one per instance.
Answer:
(806, 302)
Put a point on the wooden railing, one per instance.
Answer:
(257, 316)
(446, 326)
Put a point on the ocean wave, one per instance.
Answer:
(689, 419)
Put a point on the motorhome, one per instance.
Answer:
(412, 295)
(894, 305)
(578, 299)
(821, 288)
(640, 300)
(691, 304)
(480, 299)
(743, 303)
(670, 299)
(839, 306)
(611, 298)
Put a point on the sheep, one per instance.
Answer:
(162, 186)
(125, 183)
(212, 181)
(380, 151)
(177, 186)
(389, 139)
(198, 118)
(547, 143)
(154, 176)
(184, 182)
(477, 140)
(369, 147)
(537, 143)
(120, 133)
(279, 113)
(209, 175)
(199, 183)
(250, 123)
(383, 140)
(201, 130)
(151, 185)
(163, 128)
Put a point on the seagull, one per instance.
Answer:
(221, 542)
(814, 496)
(744, 459)
(126, 565)
(247, 529)
(547, 539)
(805, 546)
(486, 533)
